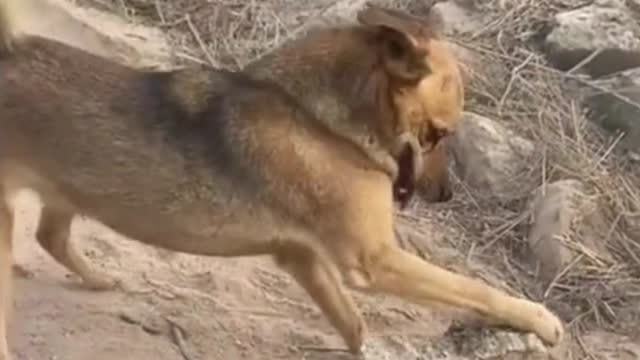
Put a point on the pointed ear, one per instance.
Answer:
(403, 41)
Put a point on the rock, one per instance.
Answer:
(607, 26)
(455, 18)
(489, 157)
(560, 210)
(615, 114)
(451, 17)
(634, 5)
(97, 32)
(339, 12)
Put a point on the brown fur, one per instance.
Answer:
(295, 157)
(434, 184)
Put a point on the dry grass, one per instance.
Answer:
(224, 33)
(516, 87)
(596, 287)
(545, 105)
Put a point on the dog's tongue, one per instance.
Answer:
(404, 186)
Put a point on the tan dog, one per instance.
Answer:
(296, 157)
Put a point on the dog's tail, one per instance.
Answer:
(7, 26)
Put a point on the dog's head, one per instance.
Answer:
(425, 93)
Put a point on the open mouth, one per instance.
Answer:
(404, 186)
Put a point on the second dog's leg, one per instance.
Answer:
(322, 281)
(403, 274)
(53, 235)
(6, 225)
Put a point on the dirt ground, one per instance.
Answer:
(175, 306)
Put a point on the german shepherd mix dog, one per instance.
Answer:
(299, 157)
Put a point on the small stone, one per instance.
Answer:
(559, 210)
(606, 26)
(454, 18)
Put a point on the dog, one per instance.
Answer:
(299, 156)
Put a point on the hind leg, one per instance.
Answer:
(53, 235)
(6, 225)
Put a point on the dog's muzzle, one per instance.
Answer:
(408, 154)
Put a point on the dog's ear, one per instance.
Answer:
(403, 40)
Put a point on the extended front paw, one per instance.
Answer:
(546, 325)
(356, 340)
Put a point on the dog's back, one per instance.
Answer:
(168, 145)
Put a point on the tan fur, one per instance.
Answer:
(434, 184)
(298, 156)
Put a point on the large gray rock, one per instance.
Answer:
(561, 211)
(455, 17)
(617, 110)
(607, 26)
(489, 157)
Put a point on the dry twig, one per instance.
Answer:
(178, 335)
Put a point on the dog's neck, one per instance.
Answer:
(335, 76)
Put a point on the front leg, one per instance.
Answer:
(403, 274)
